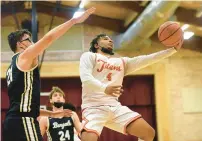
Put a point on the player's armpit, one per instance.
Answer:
(77, 122)
(43, 122)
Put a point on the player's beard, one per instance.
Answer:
(107, 50)
(58, 104)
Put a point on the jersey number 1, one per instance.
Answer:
(63, 135)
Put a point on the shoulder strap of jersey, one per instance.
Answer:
(15, 55)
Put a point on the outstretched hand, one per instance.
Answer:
(85, 15)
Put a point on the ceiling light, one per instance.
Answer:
(184, 27)
(81, 5)
(188, 35)
(78, 14)
(199, 12)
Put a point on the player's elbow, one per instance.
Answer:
(86, 81)
(85, 77)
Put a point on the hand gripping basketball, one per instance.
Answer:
(170, 34)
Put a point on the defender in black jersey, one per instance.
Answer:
(23, 81)
(60, 129)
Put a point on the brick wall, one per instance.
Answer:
(184, 73)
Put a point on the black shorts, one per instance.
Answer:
(21, 129)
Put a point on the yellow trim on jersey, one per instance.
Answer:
(30, 130)
(25, 127)
(26, 97)
(30, 94)
(15, 54)
(34, 128)
(22, 95)
(49, 136)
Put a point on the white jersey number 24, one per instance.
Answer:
(64, 135)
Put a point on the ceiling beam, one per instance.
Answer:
(6, 8)
(94, 20)
(188, 16)
(67, 13)
(131, 5)
(61, 7)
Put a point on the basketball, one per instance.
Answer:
(170, 34)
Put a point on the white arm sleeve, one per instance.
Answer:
(87, 62)
(136, 63)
